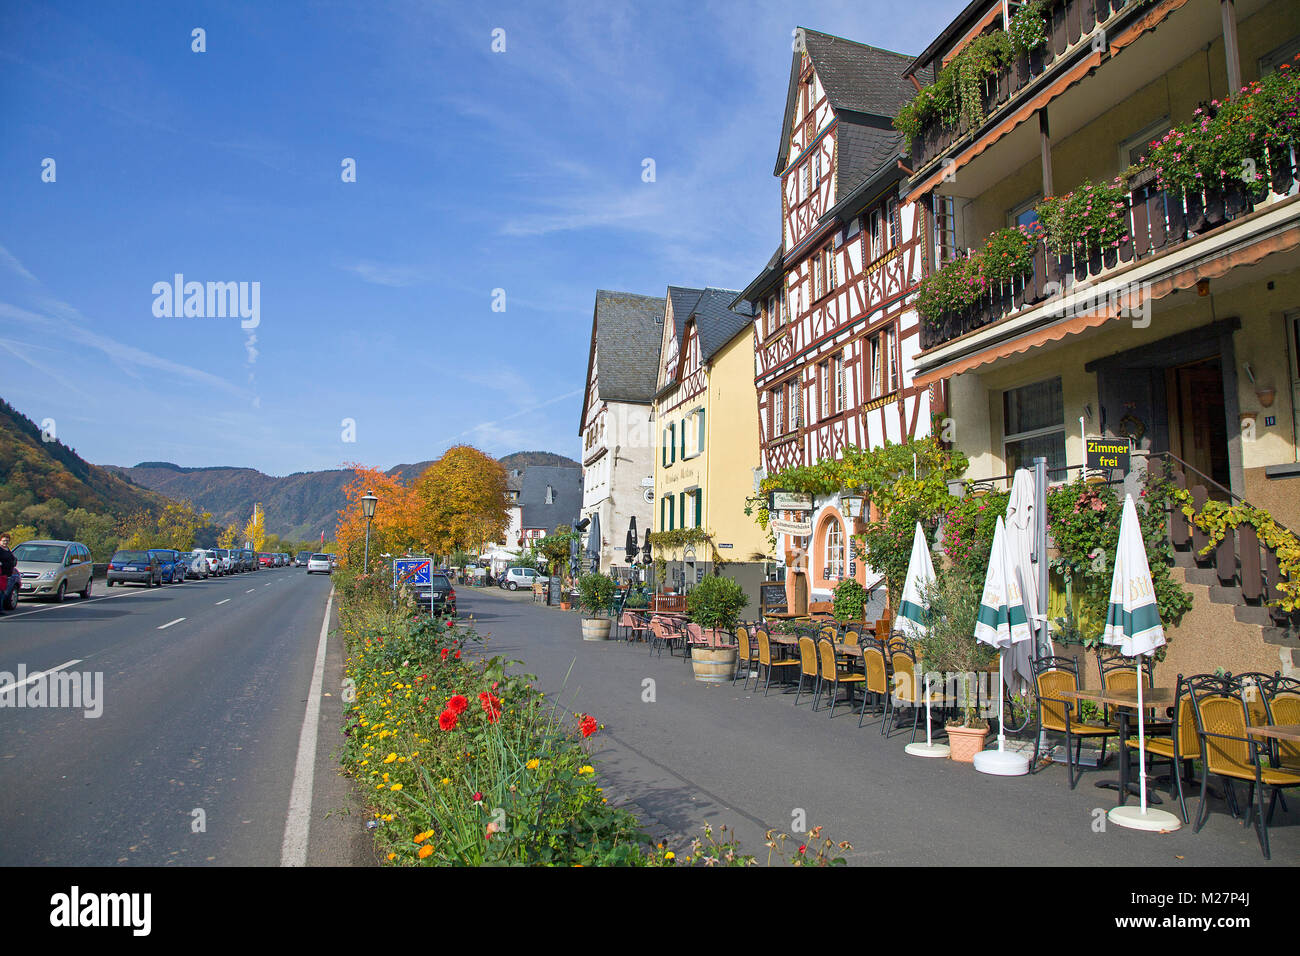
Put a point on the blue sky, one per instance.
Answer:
(475, 171)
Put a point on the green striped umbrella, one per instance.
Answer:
(1001, 623)
(913, 613)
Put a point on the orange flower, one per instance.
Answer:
(425, 851)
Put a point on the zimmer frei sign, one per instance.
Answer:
(1110, 454)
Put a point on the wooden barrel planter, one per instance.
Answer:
(713, 665)
(595, 628)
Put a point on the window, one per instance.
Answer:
(1275, 58)
(550, 495)
(795, 405)
(877, 248)
(892, 219)
(819, 280)
(883, 369)
(670, 445)
(1025, 213)
(769, 316)
(693, 434)
(891, 359)
(778, 411)
(1134, 149)
(817, 168)
(840, 398)
(1033, 425)
(945, 229)
(833, 553)
(829, 253)
(823, 390)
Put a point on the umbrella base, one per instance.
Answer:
(1001, 763)
(919, 749)
(1135, 819)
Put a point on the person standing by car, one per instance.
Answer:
(9, 568)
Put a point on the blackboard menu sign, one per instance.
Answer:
(772, 596)
(553, 597)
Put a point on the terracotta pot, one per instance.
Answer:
(966, 742)
(565, 606)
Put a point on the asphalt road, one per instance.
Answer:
(701, 753)
(204, 693)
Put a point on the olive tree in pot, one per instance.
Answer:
(715, 605)
(595, 592)
(950, 646)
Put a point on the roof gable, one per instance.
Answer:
(625, 332)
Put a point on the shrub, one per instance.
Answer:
(949, 643)
(716, 603)
(595, 592)
(847, 600)
(1094, 214)
(1008, 253)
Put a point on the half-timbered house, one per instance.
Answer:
(835, 329)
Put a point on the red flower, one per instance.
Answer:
(444, 653)
(803, 848)
(478, 796)
(447, 719)
(451, 624)
(458, 655)
(588, 726)
(457, 704)
(491, 706)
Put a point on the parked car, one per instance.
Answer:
(196, 564)
(264, 560)
(319, 562)
(301, 560)
(135, 567)
(440, 597)
(53, 568)
(168, 560)
(516, 578)
(224, 557)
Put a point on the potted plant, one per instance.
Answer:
(950, 645)
(715, 605)
(595, 593)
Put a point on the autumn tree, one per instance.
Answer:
(255, 530)
(393, 527)
(177, 525)
(229, 537)
(461, 501)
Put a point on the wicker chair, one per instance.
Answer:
(746, 653)
(1119, 673)
(1282, 698)
(1180, 747)
(904, 692)
(1254, 689)
(765, 661)
(877, 676)
(663, 634)
(1229, 753)
(1052, 675)
(835, 676)
(851, 636)
(808, 670)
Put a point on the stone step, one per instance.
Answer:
(1226, 595)
(1205, 577)
(1253, 615)
(1283, 636)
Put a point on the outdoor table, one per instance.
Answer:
(1276, 731)
(1123, 701)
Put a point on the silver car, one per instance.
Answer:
(53, 568)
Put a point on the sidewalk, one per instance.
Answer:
(687, 753)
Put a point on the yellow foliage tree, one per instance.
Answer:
(229, 537)
(392, 529)
(461, 501)
(255, 530)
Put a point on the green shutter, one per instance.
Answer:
(699, 506)
(681, 503)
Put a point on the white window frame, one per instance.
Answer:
(1141, 138)
(1033, 432)
(833, 560)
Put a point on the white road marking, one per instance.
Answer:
(66, 605)
(163, 627)
(219, 603)
(250, 590)
(31, 677)
(293, 851)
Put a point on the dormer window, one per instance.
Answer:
(550, 495)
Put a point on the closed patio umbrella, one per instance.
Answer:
(1021, 544)
(1133, 627)
(631, 545)
(593, 543)
(1002, 624)
(912, 621)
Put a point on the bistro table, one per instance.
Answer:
(1276, 731)
(1123, 701)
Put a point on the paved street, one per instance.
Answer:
(205, 688)
(719, 754)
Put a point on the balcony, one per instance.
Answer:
(1157, 223)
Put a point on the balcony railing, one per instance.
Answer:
(1069, 23)
(1157, 221)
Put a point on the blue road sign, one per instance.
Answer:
(414, 571)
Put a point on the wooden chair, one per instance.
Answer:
(1052, 675)
(808, 670)
(833, 674)
(904, 663)
(765, 661)
(1229, 753)
(876, 673)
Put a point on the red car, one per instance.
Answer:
(265, 560)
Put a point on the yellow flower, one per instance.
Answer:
(425, 851)
(396, 786)
(390, 758)
(587, 769)
(446, 780)
(391, 855)
(533, 764)
(670, 855)
(421, 837)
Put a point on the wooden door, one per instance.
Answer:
(1198, 430)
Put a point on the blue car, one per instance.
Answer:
(171, 567)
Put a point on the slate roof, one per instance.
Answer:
(865, 87)
(683, 301)
(567, 482)
(626, 332)
(717, 322)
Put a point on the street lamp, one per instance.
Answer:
(852, 503)
(368, 502)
